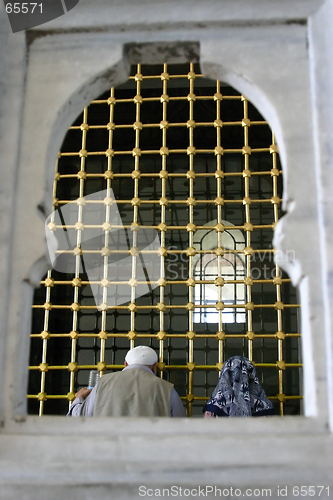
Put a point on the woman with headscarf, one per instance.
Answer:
(238, 392)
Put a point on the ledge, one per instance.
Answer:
(144, 14)
(119, 427)
(257, 459)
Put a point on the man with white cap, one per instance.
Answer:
(135, 391)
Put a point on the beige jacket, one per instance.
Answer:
(133, 393)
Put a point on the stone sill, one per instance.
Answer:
(84, 453)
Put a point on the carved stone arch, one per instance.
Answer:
(68, 102)
(249, 60)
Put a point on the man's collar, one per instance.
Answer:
(143, 367)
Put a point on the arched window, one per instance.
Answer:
(172, 154)
(211, 268)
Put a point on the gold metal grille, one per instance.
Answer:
(177, 188)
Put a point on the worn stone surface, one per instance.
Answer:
(165, 14)
(12, 74)
(321, 40)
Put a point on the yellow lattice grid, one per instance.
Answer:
(162, 307)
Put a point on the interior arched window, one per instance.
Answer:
(226, 266)
(167, 191)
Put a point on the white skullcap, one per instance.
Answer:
(141, 355)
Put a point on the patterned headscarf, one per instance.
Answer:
(238, 392)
